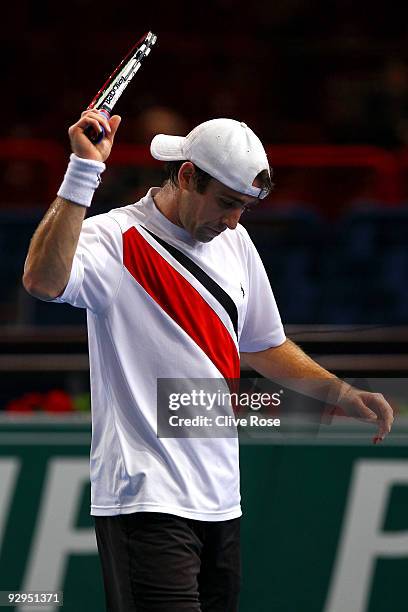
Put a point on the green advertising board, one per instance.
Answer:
(325, 525)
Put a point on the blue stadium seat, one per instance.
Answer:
(16, 306)
(16, 230)
(289, 240)
(365, 277)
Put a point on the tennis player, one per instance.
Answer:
(174, 289)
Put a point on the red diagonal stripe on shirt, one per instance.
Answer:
(181, 301)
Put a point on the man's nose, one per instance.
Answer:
(232, 218)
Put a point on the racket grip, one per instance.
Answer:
(90, 132)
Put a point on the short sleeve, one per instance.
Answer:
(97, 267)
(262, 326)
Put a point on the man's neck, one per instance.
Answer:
(166, 201)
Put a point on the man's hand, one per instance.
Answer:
(80, 143)
(289, 362)
(367, 407)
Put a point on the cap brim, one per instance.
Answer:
(167, 148)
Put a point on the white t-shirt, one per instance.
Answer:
(163, 305)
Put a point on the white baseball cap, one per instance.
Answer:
(226, 149)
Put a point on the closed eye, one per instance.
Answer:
(234, 204)
(230, 203)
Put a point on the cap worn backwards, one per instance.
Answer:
(226, 149)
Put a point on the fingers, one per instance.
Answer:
(95, 119)
(370, 408)
(384, 412)
(114, 124)
(361, 410)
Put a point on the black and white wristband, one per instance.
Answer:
(81, 179)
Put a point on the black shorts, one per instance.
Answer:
(155, 562)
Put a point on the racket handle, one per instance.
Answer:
(90, 132)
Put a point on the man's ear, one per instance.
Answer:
(186, 176)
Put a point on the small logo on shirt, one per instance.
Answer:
(242, 289)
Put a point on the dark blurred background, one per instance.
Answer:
(297, 71)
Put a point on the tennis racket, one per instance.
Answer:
(110, 92)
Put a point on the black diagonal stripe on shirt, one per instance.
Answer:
(216, 291)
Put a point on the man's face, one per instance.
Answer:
(206, 215)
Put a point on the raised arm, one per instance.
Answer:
(52, 248)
